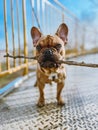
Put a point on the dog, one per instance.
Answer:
(49, 50)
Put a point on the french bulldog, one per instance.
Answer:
(50, 49)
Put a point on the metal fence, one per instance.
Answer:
(18, 16)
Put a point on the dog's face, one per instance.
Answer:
(50, 49)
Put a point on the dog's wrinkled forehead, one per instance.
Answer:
(49, 40)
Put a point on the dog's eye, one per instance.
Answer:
(58, 46)
(38, 47)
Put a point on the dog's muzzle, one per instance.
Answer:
(48, 60)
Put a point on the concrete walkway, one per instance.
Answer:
(18, 110)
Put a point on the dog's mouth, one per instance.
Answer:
(49, 64)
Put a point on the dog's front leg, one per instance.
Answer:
(41, 101)
(59, 90)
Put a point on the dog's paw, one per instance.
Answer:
(61, 102)
(40, 104)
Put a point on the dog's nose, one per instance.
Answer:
(48, 52)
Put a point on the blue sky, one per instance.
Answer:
(85, 10)
(76, 6)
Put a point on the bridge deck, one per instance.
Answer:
(18, 110)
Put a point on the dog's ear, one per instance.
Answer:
(35, 34)
(62, 32)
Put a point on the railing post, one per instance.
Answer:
(13, 38)
(6, 35)
(76, 29)
(24, 32)
(17, 11)
(32, 5)
(83, 38)
(62, 15)
(0, 67)
(95, 37)
(43, 15)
